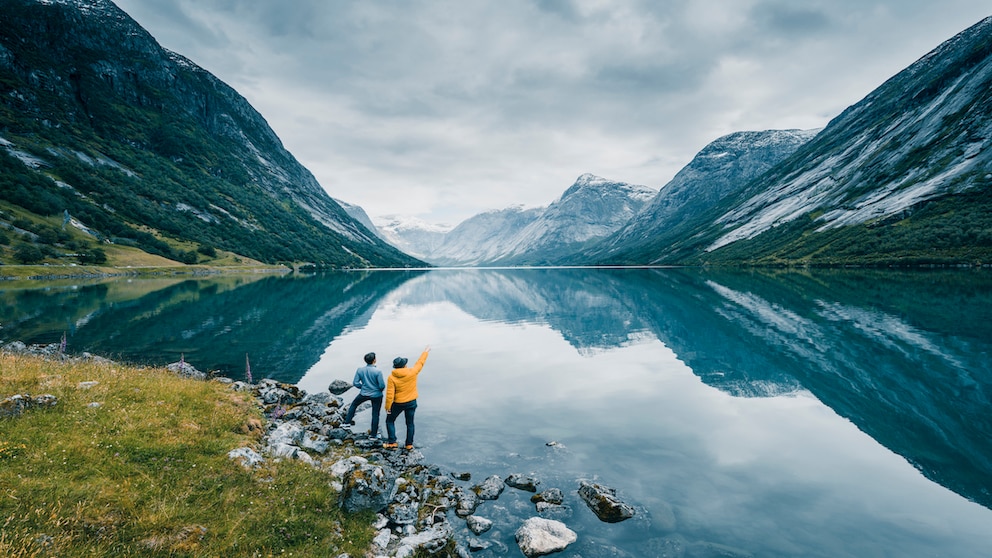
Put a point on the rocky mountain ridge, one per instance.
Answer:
(898, 178)
(590, 209)
(922, 134)
(719, 170)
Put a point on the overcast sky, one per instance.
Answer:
(443, 109)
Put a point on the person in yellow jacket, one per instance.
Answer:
(401, 397)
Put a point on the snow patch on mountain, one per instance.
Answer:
(592, 208)
(412, 235)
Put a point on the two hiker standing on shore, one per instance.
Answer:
(401, 397)
(400, 394)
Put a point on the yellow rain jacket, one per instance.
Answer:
(401, 386)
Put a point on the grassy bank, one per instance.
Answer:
(146, 472)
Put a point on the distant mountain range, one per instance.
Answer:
(590, 210)
(142, 147)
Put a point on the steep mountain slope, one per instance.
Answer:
(357, 213)
(719, 170)
(483, 238)
(902, 177)
(912, 157)
(143, 147)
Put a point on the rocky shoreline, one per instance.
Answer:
(414, 500)
(416, 503)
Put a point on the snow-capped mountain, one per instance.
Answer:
(416, 237)
(591, 209)
(719, 170)
(484, 238)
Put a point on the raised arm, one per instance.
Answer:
(420, 361)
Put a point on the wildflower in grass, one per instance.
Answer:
(8, 449)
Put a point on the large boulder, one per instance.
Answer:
(366, 487)
(604, 503)
(338, 387)
(539, 536)
(289, 433)
(184, 369)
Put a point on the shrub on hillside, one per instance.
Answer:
(28, 254)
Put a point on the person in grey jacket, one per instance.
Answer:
(368, 379)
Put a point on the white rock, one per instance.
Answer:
(539, 536)
(382, 538)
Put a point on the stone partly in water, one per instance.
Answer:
(604, 503)
(466, 502)
(550, 504)
(490, 489)
(478, 525)
(551, 496)
(539, 536)
(522, 482)
(338, 387)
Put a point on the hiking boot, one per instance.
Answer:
(409, 446)
(389, 445)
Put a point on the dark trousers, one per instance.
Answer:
(408, 409)
(376, 406)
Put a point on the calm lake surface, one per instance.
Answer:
(828, 413)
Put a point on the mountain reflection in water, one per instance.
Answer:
(905, 356)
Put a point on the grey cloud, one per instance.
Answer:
(507, 102)
(788, 19)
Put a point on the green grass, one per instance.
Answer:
(146, 473)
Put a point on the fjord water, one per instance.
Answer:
(825, 413)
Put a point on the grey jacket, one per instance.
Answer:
(369, 380)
